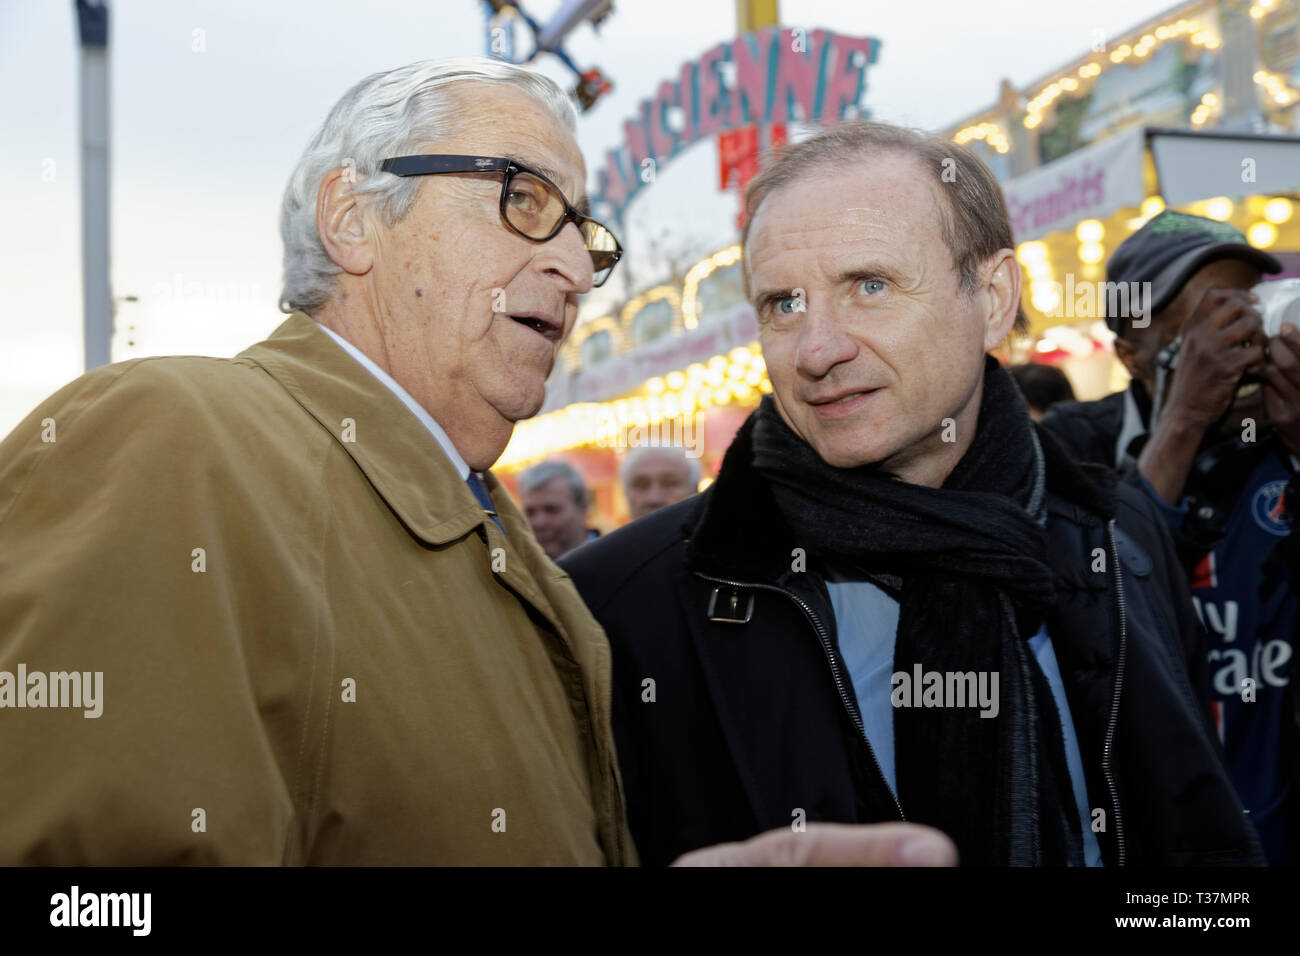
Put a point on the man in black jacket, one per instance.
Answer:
(899, 600)
(1208, 430)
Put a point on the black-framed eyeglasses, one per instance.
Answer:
(531, 205)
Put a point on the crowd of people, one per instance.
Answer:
(907, 623)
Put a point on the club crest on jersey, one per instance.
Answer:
(1268, 510)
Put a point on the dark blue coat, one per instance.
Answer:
(753, 714)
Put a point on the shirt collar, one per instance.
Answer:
(416, 408)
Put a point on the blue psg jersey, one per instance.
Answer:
(1249, 608)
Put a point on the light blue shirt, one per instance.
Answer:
(866, 622)
(416, 408)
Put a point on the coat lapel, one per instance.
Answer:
(389, 444)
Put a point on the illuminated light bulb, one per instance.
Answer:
(655, 386)
(1045, 298)
(1210, 99)
(672, 407)
(740, 354)
(695, 371)
(717, 364)
(1278, 210)
(754, 377)
(742, 392)
(1220, 208)
(1090, 230)
(1152, 206)
(1091, 253)
(765, 387)
(676, 380)
(1262, 234)
(1032, 252)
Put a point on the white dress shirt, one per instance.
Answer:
(416, 408)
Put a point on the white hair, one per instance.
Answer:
(634, 457)
(386, 114)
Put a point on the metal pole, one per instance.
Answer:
(92, 24)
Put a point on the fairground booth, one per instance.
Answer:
(1196, 109)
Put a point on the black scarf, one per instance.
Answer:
(975, 586)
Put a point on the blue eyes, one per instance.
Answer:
(791, 304)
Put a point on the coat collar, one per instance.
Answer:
(738, 532)
(398, 455)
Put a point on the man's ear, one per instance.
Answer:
(1002, 286)
(342, 227)
(1126, 352)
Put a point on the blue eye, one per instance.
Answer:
(872, 286)
(789, 306)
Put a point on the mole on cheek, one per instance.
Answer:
(419, 292)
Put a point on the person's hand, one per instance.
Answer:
(1222, 339)
(1282, 386)
(833, 844)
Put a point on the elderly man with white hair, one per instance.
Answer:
(316, 629)
(656, 476)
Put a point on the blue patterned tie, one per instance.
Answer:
(477, 486)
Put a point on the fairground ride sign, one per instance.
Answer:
(770, 76)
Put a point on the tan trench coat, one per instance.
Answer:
(339, 676)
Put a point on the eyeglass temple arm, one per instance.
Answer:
(428, 165)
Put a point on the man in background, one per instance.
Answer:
(1042, 385)
(1218, 461)
(655, 477)
(555, 503)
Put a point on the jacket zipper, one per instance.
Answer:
(824, 637)
(1119, 680)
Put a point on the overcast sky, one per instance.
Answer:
(203, 142)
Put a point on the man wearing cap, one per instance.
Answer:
(1217, 462)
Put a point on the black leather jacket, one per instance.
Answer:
(732, 709)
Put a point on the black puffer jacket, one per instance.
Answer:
(750, 715)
